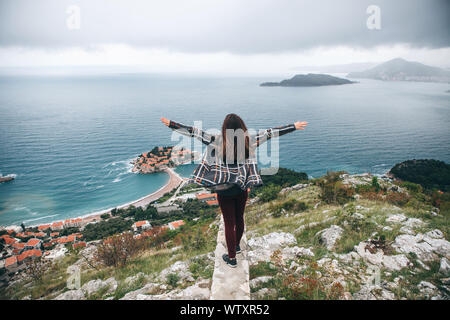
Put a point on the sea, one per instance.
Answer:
(69, 140)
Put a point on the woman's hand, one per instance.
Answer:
(165, 121)
(300, 125)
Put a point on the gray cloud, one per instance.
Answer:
(249, 26)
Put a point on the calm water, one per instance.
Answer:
(69, 140)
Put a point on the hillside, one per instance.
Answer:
(308, 80)
(428, 173)
(401, 70)
(340, 236)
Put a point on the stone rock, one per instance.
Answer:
(396, 218)
(296, 187)
(264, 293)
(295, 252)
(262, 248)
(373, 292)
(424, 246)
(435, 234)
(407, 230)
(274, 240)
(357, 215)
(71, 295)
(132, 279)
(180, 268)
(413, 223)
(330, 235)
(445, 266)
(427, 289)
(199, 291)
(413, 244)
(57, 253)
(395, 262)
(95, 285)
(259, 280)
(148, 288)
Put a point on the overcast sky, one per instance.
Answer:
(229, 36)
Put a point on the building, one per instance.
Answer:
(206, 196)
(161, 208)
(18, 247)
(212, 202)
(33, 244)
(141, 225)
(43, 227)
(11, 263)
(175, 224)
(8, 239)
(57, 226)
(28, 255)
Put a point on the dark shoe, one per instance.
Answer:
(238, 249)
(231, 262)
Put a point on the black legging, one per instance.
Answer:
(233, 216)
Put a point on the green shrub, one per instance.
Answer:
(411, 186)
(172, 279)
(269, 193)
(105, 216)
(292, 205)
(333, 190)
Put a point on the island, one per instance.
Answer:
(161, 158)
(6, 179)
(308, 80)
(401, 70)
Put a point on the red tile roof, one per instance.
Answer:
(29, 253)
(201, 196)
(10, 240)
(18, 245)
(57, 224)
(43, 227)
(141, 223)
(33, 242)
(10, 261)
(177, 223)
(212, 202)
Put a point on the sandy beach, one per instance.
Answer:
(174, 182)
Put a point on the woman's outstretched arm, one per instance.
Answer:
(267, 134)
(188, 131)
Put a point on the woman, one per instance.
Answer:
(229, 168)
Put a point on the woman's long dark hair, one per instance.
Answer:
(233, 121)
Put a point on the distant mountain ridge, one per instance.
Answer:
(402, 70)
(308, 80)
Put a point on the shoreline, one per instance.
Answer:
(174, 181)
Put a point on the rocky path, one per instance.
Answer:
(230, 283)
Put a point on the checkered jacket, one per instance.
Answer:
(212, 171)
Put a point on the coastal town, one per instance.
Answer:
(161, 158)
(20, 245)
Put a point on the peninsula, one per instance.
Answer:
(161, 158)
(308, 80)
